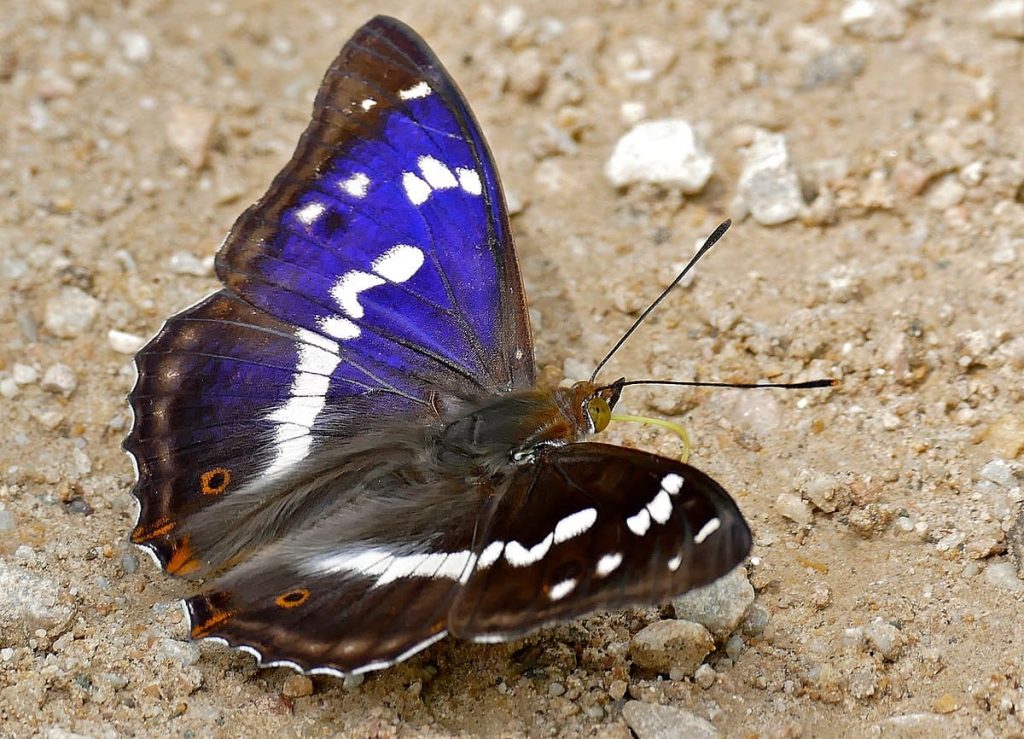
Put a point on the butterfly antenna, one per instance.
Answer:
(806, 385)
(711, 241)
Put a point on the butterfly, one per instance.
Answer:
(346, 444)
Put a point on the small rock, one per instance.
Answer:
(70, 312)
(669, 644)
(705, 676)
(7, 522)
(663, 152)
(946, 194)
(556, 689)
(617, 690)
(135, 46)
(123, 342)
(24, 374)
(1005, 18)
(352, 682)
(835, 65)
(297, 686)
(720, 606)
(768, 183)
(794, 508)
(1004, 575)
(885, 639)
(8, 387)
(998, 471)
(649, 721)
(174, 650)
(863, 682)
(189, 131)
(646, 58)
(28, 602)
(945, 703)
(59, 378)
(877, 20)
(183, 263)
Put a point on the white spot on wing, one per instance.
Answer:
(469, 180)
(707, 530)
(318, 357)
(661, 507)
(574, 524)
(309, 212)
(419, 90)
(673, 564)
(672, 483)
(436, 173)
(608, 564)
(356, 185)
(416, 189)
(490, 554)
(367, 103)
(338, 327)
(519, 556)
(562, 589)
(639, 523)
(346, 290)
(398, 263)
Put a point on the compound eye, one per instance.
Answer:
(600, 413)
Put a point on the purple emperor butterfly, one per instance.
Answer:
(346, 441)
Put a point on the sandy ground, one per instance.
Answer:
(902, 277)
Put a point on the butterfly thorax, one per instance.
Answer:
(510, 429)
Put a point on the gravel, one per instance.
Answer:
(720, 606)
(650, 721)
(662, 152)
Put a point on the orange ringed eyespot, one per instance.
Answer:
(293, 598)
(215, 481)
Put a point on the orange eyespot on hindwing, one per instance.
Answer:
(292, 598)
(215, 481)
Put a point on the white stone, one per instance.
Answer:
(59, 378)
(1004, 575)
(135, 46)
(184, 263)
(123, 342)
(1005, 18)
(70, 312)
(24, 374)
(874, 19)
(663, 152)
(794, 508)
(768, 183)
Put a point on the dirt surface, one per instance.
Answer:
(888, 598)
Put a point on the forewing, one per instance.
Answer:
(595, 527)
(388, 227)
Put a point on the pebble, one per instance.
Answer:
(947, 194)
(873, 19)
(1004, 575)
(705, 676)
(863, 682)
(836, 65)
(24, 374)
(7, 522)
(794, 508)
(663, 152)
(184, 263)
(59, 378)
(174, 650)
(650, 721)
(297, 686)
(1005, 18)
(720, 606)
(352, 682)
(998, 471)
(70, 312)
(136, 47)
(617, 690)
(945, 703)
(768, 183)
(556, 689)
(29, 602)
(671, 644)
(885, 639)
(123, 342)
(189, 131)
(8, 387)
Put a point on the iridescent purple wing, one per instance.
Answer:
(387, 232)
(376, 279)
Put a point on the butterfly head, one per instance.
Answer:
(595, 402)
